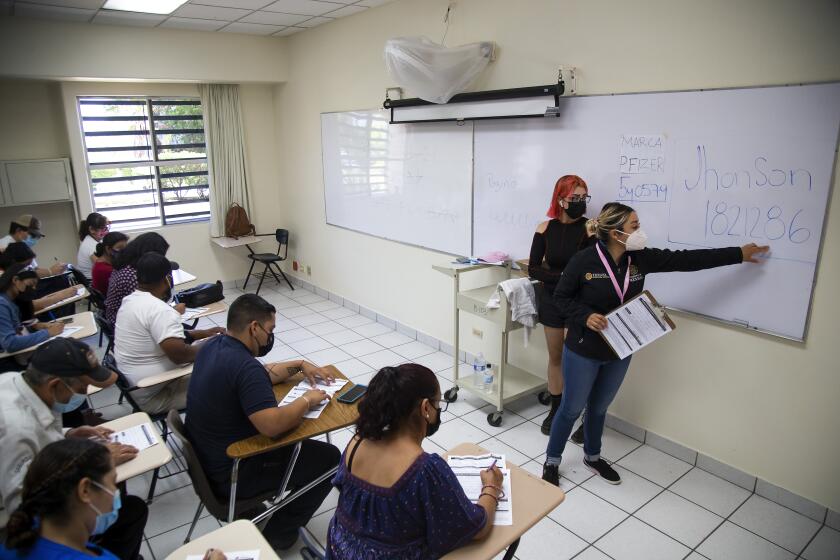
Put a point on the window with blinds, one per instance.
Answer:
(147, 160)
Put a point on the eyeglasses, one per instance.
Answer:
(443, 406)
(578, 198)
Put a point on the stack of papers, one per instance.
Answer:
(304, 386)
(141, 436)
(467, 469)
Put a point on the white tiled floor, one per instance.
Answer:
(664, 508)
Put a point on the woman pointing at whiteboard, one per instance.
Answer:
(597, 280)
(555, 241)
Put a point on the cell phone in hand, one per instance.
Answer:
(354, 394)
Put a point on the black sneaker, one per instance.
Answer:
(546, 425)
(551, 474)
(577, 437)
(602, 469)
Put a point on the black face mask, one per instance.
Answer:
(28, 294)
(264, 349)
(433, 427)
(576, 209)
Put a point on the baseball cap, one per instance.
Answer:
(31, 223)
(68, 357)
(153, 267)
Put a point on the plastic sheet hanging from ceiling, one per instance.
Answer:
(434, 72)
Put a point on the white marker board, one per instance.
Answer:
(703, 169)
(409, 183)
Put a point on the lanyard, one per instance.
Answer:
(612, 276)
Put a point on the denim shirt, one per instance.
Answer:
(10, 340)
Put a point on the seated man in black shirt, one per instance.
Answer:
(230, 398)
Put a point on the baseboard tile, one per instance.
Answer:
(672, 448)
(626, 428)
(726, 472)
(793, 501)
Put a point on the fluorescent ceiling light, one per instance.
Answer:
(144, 6)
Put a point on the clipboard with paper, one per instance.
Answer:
(635, 324)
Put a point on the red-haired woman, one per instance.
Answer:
(555, 241)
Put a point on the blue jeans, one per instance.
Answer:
(590, 383)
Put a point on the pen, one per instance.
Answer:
(493, 464)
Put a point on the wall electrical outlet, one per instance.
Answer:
(478, 333)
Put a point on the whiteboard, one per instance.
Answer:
(703, 169)
(409, 183)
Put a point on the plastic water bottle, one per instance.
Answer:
(479, 366)
(488, 379)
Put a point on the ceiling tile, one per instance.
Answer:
(246, 4)
(315, 21)
(84, 4)
(194, 24)
(288, 31)
(109, 17)
(372, 3)
(251, 28)
(274, 18)
(209, 12)
(53, 12)
(346, 11)
(304, 7)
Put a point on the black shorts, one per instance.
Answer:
(548, 311)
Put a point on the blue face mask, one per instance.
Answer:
(76, 400)
(105, 520)
(31, 241)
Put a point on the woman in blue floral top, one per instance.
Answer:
(398, 502)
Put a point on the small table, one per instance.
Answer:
(147, 460)
(212, 309)
(81, 294)
(231, 242)
(336, 415)
(239, 535)
(181, 276)
(533, 499)
(84, 319)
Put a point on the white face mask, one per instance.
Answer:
(636, 241)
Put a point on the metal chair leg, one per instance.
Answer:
(283, 274)
(245, 285)
(194, 521)
(262, 277)
(151, 495)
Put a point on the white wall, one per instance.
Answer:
(32, 123)
(758, 403)
(58, 50)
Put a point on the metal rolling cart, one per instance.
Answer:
(511, 382)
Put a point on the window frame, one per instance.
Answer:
(154, 148)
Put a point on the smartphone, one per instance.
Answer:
(65, 320)
(354, 394)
